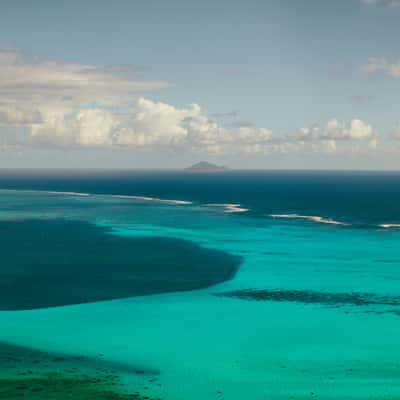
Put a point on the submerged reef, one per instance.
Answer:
(58, 386)
(313, 297)
(36, 375)
(57, 262)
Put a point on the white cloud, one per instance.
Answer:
(147, 125)
(356, 129)
(15, 115)
(382, 65)
(335, 131)
(30, 87)
(87, 128)
(61, 104)
(85, 106)
(150, 125)
(373, 143)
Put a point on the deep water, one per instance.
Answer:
(56, 262)
(253, 285)
(364, 198)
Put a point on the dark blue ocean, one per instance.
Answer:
(362, 198)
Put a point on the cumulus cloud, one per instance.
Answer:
(356, 129)
(15, 115)
(85, 106)
(334, 130)
(382, 65)
(151, 125)
(147, 125)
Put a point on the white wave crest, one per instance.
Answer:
(389, 226)
(312, 218)
(65, 193)
(80, 194)
(150, 199)
(229, 207)
(55, 192)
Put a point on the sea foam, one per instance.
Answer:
(389, 226)
(55, 192)
(150, 199)
(119, 196)
(229, 207)
(312, 218)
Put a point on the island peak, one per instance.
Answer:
(204, 166)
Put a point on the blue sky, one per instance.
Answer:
(277, 84)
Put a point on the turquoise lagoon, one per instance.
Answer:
(312, 311)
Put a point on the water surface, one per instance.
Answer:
(312, 311)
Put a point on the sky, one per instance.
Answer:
(291, 84)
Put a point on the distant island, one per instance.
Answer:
(204, 166)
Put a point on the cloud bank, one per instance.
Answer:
(31, 90)
(85, 106)
(146, 125)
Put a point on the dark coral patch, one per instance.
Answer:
(313, 297)
(58, 386)
(36, 375)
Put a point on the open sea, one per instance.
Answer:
(237, 285)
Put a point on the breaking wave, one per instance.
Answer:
(312, 218)
(389, 226)
(229, 207)
(81, 194)
(150, 199)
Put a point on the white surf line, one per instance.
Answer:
(229, 207)
(389, 226)
(235, 208)
(68, 193)
(80, 194)
(312, 218)
(47, 192)
(151, 199)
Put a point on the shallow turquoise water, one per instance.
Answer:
(208, 347)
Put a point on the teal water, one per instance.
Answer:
(312, 311)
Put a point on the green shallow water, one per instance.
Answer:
(326, 323)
